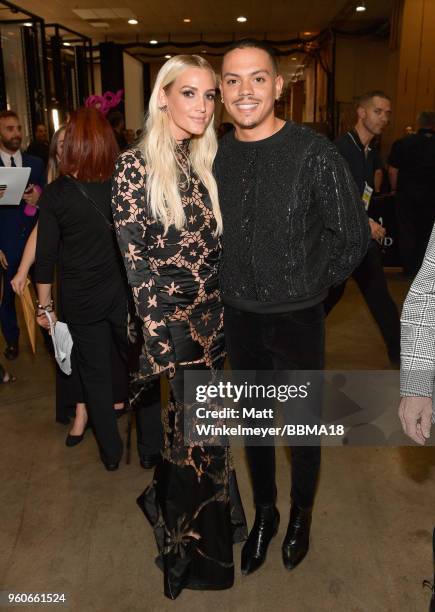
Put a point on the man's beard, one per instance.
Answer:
(12, 145)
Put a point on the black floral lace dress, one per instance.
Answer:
(193, 502)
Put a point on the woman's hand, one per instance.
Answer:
(42, 319)
(32, 195)
(19, 282)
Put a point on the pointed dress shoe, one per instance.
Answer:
(73, 440)
(264, 529)
(297, 539)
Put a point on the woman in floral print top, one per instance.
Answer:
(168, 225)
(173, 275)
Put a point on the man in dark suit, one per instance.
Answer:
(16, 222)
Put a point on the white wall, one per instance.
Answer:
(133, 94)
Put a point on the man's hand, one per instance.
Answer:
(32, 195)
(415, 415)
(378, 232)
(3, 261)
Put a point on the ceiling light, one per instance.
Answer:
(133, 21)
(294, 59)
(153, 41)
(187, 20)
(28, 24)
(360, 7)
(307, 33)
(67, 44)
(203, 50)
(168, 56)
(242, 19)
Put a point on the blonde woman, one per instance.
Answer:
(168, 223)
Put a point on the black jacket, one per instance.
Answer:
(294, 223)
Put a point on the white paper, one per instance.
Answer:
(13, 182)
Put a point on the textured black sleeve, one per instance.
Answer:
(47, 244)
(341, 209)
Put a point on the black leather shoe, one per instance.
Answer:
(297, 539)
(72, 440)
(111, 467)
(265, 528)
(150, 461)
(11, 351)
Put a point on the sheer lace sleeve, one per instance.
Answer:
(131, 223)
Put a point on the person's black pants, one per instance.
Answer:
(274, 342)
(415, 217)
(149, 420)
(370, 278)
(92, 346)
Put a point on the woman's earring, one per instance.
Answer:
(163, 108)
(222, 100)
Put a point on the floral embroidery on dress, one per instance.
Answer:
(193, 499)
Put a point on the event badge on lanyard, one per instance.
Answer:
(367, 196)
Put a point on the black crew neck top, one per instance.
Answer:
(293, 222)
(74, 235)
(414, 157)
(362, 161)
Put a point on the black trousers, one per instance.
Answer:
(415, 217)
(149, 428)
(291, 341)
(92, 346)
(371, 281)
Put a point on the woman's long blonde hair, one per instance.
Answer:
(158, 147)
(53, 162)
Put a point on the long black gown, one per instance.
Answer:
(193, 502)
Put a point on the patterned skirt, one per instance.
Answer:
(194, 507)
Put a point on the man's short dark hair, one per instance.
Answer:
(8, 113)
(369, 95)
(426, 119)
(253, 43)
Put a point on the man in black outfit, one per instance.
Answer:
(293, 226)
(373, 111)
(40, 146)
(411, 169)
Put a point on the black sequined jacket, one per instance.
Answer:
(294, 223)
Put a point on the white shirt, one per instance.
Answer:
(6, 158)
